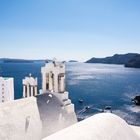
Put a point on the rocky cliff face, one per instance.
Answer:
(128, 60)
(115, 59)
(135, 62)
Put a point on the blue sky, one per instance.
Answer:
(68, 29)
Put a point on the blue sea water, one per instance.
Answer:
(99, 85)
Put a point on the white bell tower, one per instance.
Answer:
(29, 86)
(53, 81)
(53, 77)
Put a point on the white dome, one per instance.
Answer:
(103, 126)
(53, 116)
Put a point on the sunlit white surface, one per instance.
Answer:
(103, 126)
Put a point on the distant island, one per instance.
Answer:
(128, 60)
(73, 61)
(10, 60)
(17, 61)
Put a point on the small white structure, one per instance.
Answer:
(29, 86)
(53, 81)
(6, 89)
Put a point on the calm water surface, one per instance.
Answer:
(98, 85)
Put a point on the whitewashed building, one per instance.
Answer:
(53, 81)
(6, 89)
(29, 86)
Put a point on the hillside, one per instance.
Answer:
(11, 60)
(135, 62)
(115, 59)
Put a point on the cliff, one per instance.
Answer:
(115, 59)
(135, 62)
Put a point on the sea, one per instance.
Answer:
(97, 85)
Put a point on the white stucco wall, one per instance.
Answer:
(136, 129)
(20, 120)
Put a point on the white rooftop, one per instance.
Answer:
(103, 126)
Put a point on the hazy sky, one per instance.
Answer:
(68, 29)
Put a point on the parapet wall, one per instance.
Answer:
(20, 120)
